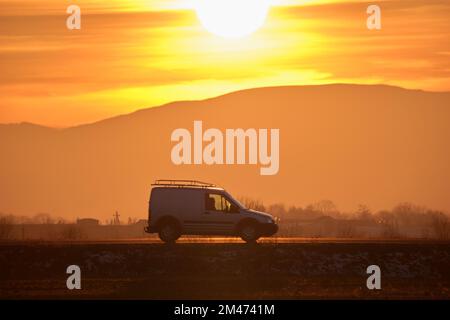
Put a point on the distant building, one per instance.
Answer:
(87, 222)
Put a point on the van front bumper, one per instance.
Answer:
(268, 229)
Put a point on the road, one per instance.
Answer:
(226, 240)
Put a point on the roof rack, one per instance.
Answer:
(182, 183)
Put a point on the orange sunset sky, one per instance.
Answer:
(133, 54)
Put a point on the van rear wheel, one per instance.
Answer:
(249, 233)
(169, 232)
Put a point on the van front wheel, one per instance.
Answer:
(249, 233)
(169, 233)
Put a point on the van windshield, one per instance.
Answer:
(240, 205)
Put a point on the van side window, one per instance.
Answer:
(217, 202)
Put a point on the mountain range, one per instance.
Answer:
(353, 144)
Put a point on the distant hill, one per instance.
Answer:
(371, 144)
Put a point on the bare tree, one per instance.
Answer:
(252, 203)
(389, 223)
(43, 218)
(278, 210)
(363, 213)
(6, 226)
(132, 220)
(325, 207)
(440, 225)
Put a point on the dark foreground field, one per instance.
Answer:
(319, 269)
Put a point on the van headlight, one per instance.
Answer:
(270, 220)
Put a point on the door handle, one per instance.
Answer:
(206, 212)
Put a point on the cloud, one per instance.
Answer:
(169, 55)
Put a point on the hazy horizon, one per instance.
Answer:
(337, 142)
(360, 142)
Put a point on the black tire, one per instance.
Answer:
(169, 232)
(249, 232)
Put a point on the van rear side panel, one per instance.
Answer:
(184, 204)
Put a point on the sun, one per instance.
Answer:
(232, 18)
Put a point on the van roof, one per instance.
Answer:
(192, 184)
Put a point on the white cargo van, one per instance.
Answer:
(190, 207)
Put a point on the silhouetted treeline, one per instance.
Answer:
(323, 219)
(320, 219)
(43, 226)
